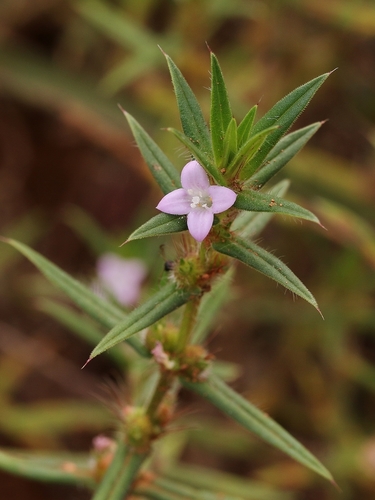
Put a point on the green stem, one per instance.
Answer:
(187, 323)
(103, 490)
(120, 474)
(164, 384)
(167, 377)
(128, 473)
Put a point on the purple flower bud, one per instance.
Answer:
(121, 277)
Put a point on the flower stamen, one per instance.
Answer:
(200, 199)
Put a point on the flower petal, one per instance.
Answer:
(193, 176)
(199, 223)
(222, 198)
(121, 277)
(176, 202)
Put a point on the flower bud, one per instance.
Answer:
(165, 333)
(194, 362)
(138, 427)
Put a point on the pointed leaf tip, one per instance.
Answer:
(160, 225)
(162, 51)
(333, 482)
(166, 300)
(284, 113)
(87, 362)
(191, 116)
(265, 262)
(209, 48)
(256, 421)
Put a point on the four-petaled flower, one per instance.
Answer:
(198, 200)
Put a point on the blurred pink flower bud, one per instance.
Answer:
(161, 357)
(122, 278)
(102, 443)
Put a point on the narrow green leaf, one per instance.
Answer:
(51, 418)
(283, 114)
(117, 25)
(226, 370)
(160, 167)
(34, 79)
(152, 492)
(265, 262)
(81, 296)
(160, 225)
(185, 492)
(79, 324)
(221, 113)
(254, 201)
(163, 302)
(282, 153)
(193, 123)
(242, 159)
(29, 228)
(249, 224)
(246, 125)
(230, 484)
(50, 468)
(200, 156)
(107, 314)
(89, 230)
(254, 420)
(129, 69)
(210, 306)
(229, 144)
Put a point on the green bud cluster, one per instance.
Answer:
(164, 332)
(139, 429)
(193, 362)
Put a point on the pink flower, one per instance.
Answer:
(198, 200)
(121, 277)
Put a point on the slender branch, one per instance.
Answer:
(127, 475)
(104, 488)
(187, 323)
(164, 384)
(121, 474)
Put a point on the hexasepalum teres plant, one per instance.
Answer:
(219, 198)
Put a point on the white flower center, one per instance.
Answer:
(199, 199)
